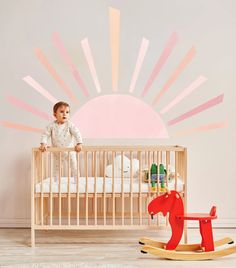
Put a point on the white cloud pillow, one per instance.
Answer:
(126, 167)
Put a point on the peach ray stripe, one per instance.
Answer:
(114, 19)
(29, 80)
(203, 128)
(62, 50)
(197, 109)
(29, 108)
(142, 52)
(194, 85)
(54, 74)
(20, 127)
(185, 61)
(162, 60)
(88, 55)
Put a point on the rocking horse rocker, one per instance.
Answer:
(172, 202)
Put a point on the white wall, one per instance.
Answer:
(209, 25)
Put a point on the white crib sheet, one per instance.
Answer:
(99, 185)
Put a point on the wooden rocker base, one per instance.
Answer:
(183, 247)
(187, 256)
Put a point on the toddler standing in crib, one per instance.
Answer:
(63, 133)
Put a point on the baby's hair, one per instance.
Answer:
(58, 105)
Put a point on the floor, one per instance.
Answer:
(95, 249)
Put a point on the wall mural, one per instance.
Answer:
(120, 115)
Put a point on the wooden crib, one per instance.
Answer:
(96, 201)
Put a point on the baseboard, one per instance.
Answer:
(14, 223)
(25, 223)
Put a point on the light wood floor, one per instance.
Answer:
(94, 249)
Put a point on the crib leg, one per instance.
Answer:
(32, 237)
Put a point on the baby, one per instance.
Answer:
(63, 133)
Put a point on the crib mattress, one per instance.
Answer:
(99, 185)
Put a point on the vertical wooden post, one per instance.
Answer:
(33, 198)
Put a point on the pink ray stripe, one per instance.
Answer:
(162, 60)
(29, 80)
(29, 108)
(62, 50)
(20, 127)
(142, 52)
(185, 61)
(90, 61)
(208, 127)
(42, 58)
(197, 109)
(194, 85)
(114, 21)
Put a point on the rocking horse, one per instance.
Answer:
(172, 202)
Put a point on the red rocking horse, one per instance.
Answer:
(172, 202)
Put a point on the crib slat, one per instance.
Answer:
(41, 177)
(113, 190)
(59, 188)
(176, 168)
(122, 188)
(95, 188)
(104, 188)
(86, 188)
(131, 188)
(69, 181)
(140, 178)
(50, 170)
(77, 196)
(158, 188)
(167, 176)
(149, 183)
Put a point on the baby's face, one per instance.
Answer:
(62, 114)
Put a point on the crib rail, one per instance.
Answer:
(93, 199)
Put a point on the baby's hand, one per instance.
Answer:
(78, 147)
(43, 147)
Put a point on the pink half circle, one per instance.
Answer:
(119, 116)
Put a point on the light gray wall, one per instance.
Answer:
(209, 25)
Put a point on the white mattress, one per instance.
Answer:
(99, 185)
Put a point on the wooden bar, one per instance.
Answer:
(113, 190)
(78, 193)
(104, 189)
(86, 188)
(41, 177)
(149, 183)
(122, 188)
(50, 170)
(95, 188)
(69, 182)
(139, 186)
(131, 188)
(59, 207)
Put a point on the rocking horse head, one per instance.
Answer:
(169, 202)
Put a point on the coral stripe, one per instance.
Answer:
(142, 52)
(194, 85)
(197, 110)
(20, 127)
(114, 19)
(162, 60)
(90, 61)
(29, 80)
(211, 126)
(63, 52)
(29, 108)
(54, 74)
(185, 61)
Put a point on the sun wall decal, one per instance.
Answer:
(119, 115)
